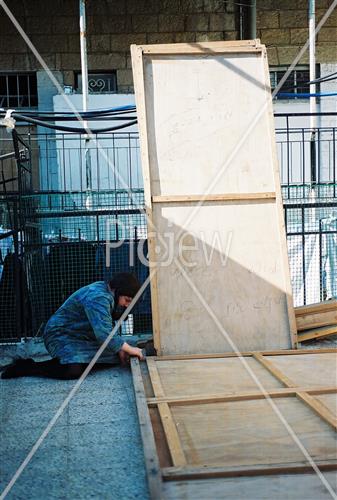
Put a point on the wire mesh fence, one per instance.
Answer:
(311, 226)
(68, 241)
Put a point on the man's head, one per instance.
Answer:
(125, 286)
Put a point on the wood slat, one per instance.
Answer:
(285, 352)
(321, 410)
(203, 47)
(217, 398)
(274, 371)
(150, 453)
(316, 315)
(214, 197)
(317, 333)
(319, 307)
(191, 473)
(172, 436)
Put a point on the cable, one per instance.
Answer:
(34, 121)
(84, 114)
(290, 95)
(73, 129)
(322, 78)
(49, 118)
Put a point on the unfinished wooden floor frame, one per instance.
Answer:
(212, 187)
(205, 417)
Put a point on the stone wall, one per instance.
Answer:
(283, 26)
(112, 26)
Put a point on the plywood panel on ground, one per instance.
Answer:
(259, 418)
(220, 278)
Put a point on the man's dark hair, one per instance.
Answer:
(124, 284)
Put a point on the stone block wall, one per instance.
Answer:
(112, 26)
(283, 27)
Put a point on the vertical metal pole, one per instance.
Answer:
(85, 95)
(303, 257)
(321, 287)
(313, 102)
(84, 61)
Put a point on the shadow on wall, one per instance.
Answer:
(234, 278)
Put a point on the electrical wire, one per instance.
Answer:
(36, 120)
(324, 78)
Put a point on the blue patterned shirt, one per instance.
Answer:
(82, 323)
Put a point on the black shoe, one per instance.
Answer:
(19, 368)
(148, 347)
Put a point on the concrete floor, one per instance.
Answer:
(94, 450)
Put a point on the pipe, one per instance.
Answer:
(252, 20)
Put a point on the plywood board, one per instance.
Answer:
(309, 369)
(270, 427)
(220, 278)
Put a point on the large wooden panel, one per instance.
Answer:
(183, 377)
(250, 433)
(311, 369)
(220, 278)
(218, 435)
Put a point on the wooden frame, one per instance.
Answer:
(180, 467)
(273, 327)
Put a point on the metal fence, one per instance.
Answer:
(53, 241)
(311, 226)
(65, 162)
(68, 240)
(306, 155)
(109, 161)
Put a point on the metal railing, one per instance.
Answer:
(71, 215)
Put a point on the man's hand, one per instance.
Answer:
(132, 351)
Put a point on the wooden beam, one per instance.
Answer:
(213, 197)
(316, 315)
(319, 307)
(150, 453)
(172, 436)
(203, 47)
(285, 352)
(321, 410)
(246, 396)
(317, 333)
(205, 472)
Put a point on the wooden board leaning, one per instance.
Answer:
(213, 199)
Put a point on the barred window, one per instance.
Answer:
(18, 90)
(98, 82)
(297, 81)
